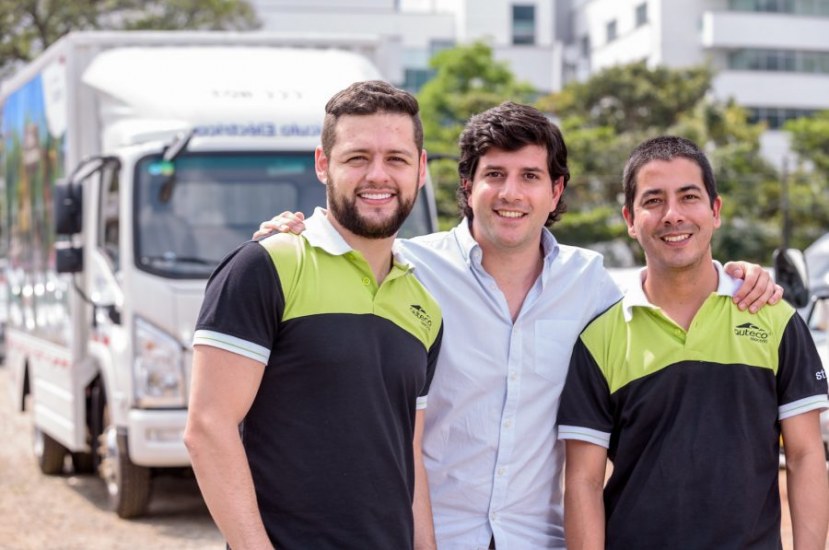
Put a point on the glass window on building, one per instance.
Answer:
(611, 31)
(415, 79)
(776, 117)
(641, 14)
(798, 7)
(523, 24)
(584, 46)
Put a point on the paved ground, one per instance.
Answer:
(69, 512)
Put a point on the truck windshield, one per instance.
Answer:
(218, 201)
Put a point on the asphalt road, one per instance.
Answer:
(69, 512)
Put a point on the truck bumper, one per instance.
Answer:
(156, 438)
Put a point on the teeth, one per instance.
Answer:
(676, 238)
(510, 214)
(375, 196)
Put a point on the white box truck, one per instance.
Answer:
(133, 162)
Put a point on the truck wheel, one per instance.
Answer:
(49, 453)
(128, 484)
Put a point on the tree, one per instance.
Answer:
(809, 178)
(467, 81)
(810, 140)
(27, 27)
(632, 97)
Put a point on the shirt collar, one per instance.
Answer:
(321, 233)
(635, 296)
(471, 250)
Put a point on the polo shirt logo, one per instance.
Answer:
(753, 332)
(418, 311)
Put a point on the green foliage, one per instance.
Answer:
(807, 176)
(632, 97)
(810, 140)
(27, 27)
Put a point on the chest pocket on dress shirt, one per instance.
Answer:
(554, 341)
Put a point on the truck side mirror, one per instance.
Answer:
(68, 208)
(790, 273)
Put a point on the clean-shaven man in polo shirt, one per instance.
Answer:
(688, 395)
(514, 300)
(322, 348)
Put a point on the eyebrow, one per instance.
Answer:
(684, 189)
(366, 150)
(501, 167)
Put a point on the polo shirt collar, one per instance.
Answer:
(320, 233)
(635, 296)
(471, 249)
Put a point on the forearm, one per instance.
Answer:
(225, 480)
(424, 526)
(584, 521)
(808, 489)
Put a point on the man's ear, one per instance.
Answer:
(628, 215)
(321, 164)
(717, 207)
(424, 168)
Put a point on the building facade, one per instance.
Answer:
(770, 56)
(520, 32)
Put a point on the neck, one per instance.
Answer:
(377, 252)
(514, 271)
(680, 293)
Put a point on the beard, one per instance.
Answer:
(344, 209)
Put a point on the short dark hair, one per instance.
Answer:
(510, 126)
(367, 98)
(666, 148)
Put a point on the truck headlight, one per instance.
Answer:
(158, 368)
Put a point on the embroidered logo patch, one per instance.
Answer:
(420, 313)
(753, 332)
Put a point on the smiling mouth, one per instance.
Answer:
(676, 238)
(512, 214)
(375, 196)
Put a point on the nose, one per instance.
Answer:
(673, 212)
(511, 190)
(377, 172)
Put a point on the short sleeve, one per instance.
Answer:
(801, 379)
(585, 412)
(431, 363)
(243, 304)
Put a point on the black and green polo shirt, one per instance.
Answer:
(691, 419)
(329, 435)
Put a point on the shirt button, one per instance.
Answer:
(508, 424)
(513, 375)
(366, 281)
(493, 517)
(502, 471)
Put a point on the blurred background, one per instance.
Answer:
(747, 79)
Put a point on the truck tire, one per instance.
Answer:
(128, 485)
(49, 453)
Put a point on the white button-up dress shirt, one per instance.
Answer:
(491, 448)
